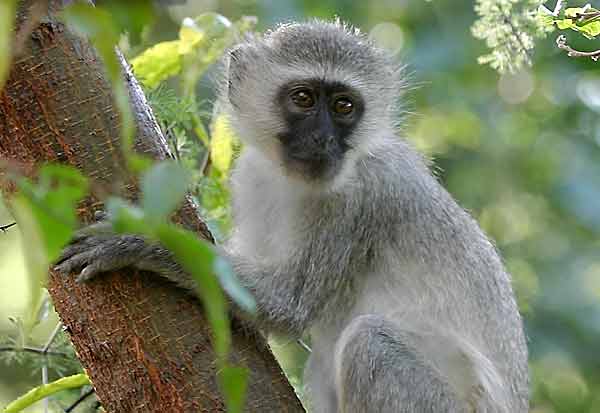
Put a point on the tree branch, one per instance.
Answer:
(145, 344)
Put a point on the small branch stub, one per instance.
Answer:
(3, 228)
(561, 43)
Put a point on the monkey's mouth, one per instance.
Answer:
(312, 167)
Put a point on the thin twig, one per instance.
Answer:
(557, 7)
(3, 228)
(36, 350)
(44, 382)
(52, 336)
(45, 349)
(304, 346)
(81, 398)
(561, 43)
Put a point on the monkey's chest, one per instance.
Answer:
(269, 233)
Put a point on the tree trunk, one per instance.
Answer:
(145, 344)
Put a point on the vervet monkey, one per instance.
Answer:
(342, 231)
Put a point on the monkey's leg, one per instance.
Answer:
(319, 382)
(380, 368)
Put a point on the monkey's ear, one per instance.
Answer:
(236, 67)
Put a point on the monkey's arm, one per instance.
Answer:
(91, 254)
(290, 294)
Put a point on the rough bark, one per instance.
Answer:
(145, 344)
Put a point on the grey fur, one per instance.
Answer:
(407, 302)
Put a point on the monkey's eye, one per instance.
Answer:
(303, 98)
(343, 106)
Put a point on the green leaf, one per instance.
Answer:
(234, 382)
(139, 163)
(7, 18)
(232, 285)
(194, 255)
(163, 188)
(45, 390)
(130, 16)
(46, 213)
(197, 258)
(127, 218)
(52, 202)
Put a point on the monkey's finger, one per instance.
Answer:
(71, 250)
(101, 216)
(74, 263)
(90, 271)
(102, 261)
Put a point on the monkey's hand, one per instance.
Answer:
(96, 249)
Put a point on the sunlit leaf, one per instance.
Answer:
(216, 33)
(189, 36)
(7, 17)
(590, 30)
(564, 24)
(221, 144)
(157, 63)
(45, 390)
(575, 11)
(201, 133)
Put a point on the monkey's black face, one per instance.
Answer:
(320, 117)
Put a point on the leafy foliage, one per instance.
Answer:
(510, 29)
(585, 20)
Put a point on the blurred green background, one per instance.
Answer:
(521, 152)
